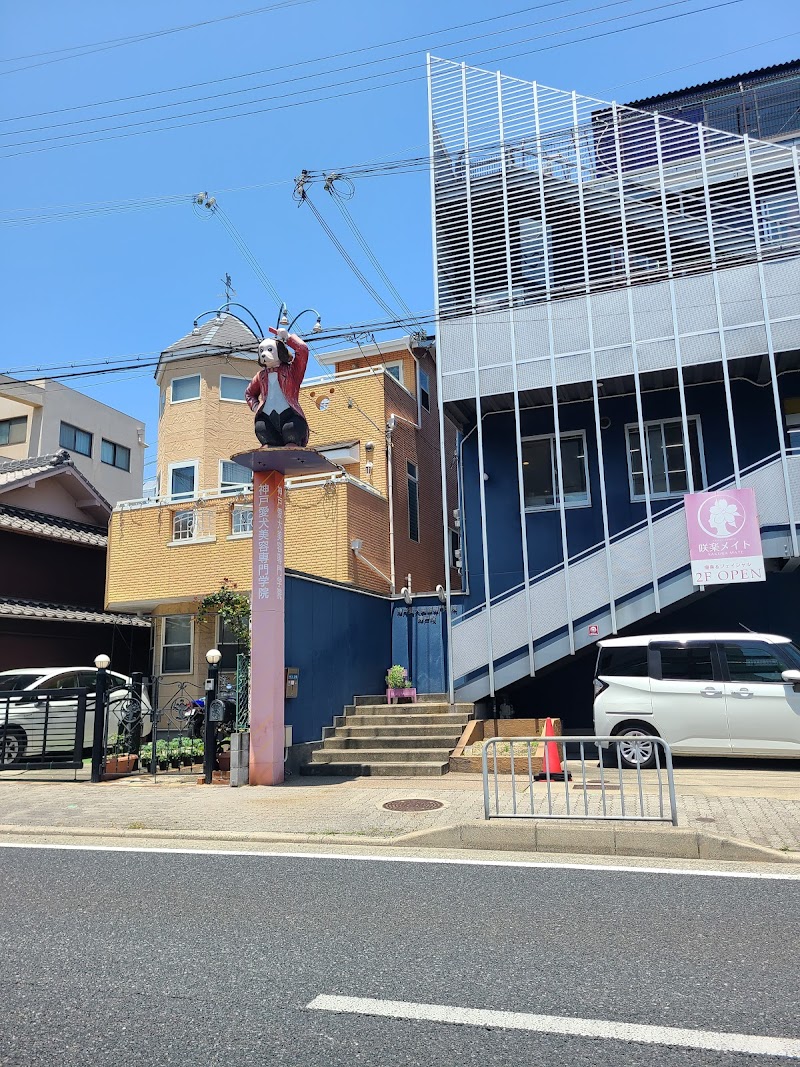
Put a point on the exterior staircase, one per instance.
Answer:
(495, 641)
(373, 737)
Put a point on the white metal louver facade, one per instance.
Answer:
(577, 240)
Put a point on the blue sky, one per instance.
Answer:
(112, 283)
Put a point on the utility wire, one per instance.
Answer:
(81, 50)
(339, 199)
(92, 138)
(296, 78)
(320, 59)
(306, 199)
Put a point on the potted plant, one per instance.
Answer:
(398, 685)
(174, 752)
(119, 760)
(146, 756)
(162, 755)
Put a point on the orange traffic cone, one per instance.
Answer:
(551, 768)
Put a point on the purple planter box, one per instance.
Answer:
(393, 695)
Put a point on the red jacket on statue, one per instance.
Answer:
(274, 392)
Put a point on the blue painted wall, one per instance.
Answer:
(756, 435)
(419, 642)
(341, 640)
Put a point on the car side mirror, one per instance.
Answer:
(793, 679)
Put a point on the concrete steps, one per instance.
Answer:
(376, 738)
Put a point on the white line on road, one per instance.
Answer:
(778, 876)
(676, 1037)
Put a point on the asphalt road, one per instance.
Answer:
(154, 958)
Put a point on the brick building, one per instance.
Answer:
(373, 522)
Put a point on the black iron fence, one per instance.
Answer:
(44, 730)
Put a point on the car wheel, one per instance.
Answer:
(12, 746)
(635, 750)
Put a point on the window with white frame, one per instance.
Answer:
(176, 645)
(233, 477)
(779, 218)
(14, 431)
(242, 520)
(540, 471)
(395, 369)
(183, 480)
(75, 440)
(424, 387)
(232, 388)
(194, 524)
(185, 389)
(413, 501)
(664, 458)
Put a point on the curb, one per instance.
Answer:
(664, 842)
(661, 842)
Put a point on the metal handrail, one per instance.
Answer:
(723, 483)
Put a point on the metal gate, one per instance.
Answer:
(44, 729)
(159, 729)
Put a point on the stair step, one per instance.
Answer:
(418, 729)
(439, 708)
(380, 755)
(368, 741)
(362, 770)
(399, 719)
(422, 698)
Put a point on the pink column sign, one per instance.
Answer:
(724, 537)
(266, 619)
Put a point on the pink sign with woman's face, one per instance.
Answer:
(724, 537)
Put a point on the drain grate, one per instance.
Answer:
(413, 805)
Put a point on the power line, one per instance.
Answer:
(339, 199)
(699, 62)
(321, 59)
(81, 50)
(92, 138)
(347, 257)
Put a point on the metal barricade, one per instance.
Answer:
(617, 793)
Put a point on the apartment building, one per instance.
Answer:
(619, 300)
(374, 524)
(44, 416)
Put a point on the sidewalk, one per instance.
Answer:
(759, 805)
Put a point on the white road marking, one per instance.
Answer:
(675, 1037)
(777, 876)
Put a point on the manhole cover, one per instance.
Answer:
(413, 805)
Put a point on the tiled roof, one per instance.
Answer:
(32, 609)
(52, 526)
(15, 470)
(227, 332)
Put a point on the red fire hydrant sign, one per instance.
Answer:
(724, 537)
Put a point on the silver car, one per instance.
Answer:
(35, 721)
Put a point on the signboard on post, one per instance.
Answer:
(724, 537)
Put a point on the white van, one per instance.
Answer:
(721, 694)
